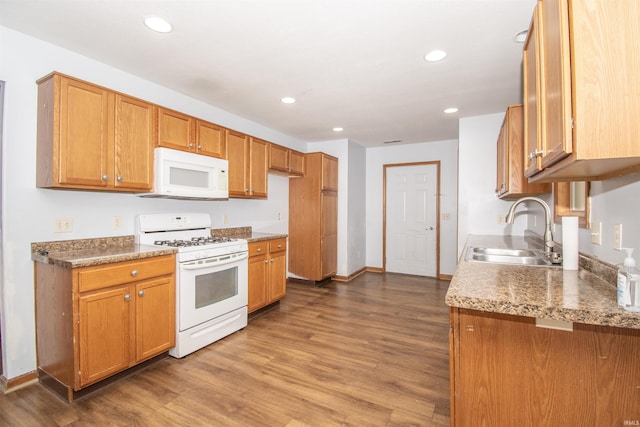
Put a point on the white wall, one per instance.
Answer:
(479, 210)
(356, 221)
(444, 151)
(29, 212)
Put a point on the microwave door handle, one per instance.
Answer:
(225, 260)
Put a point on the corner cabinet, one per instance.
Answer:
(92, 138)
(185, 133)
(588, 93)
(267, 272)
(511, 182)
(247, 158)
(94, 322)
(313, 219)
(506, 371)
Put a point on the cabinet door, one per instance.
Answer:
(278, 158)
(531, 77)
(501, 161)
(238, 157)
(258, 152)
(175, 130)
(86, 120)
(296, 162)
(133, 148)
(277, 275)
(211, 139)
(155, 317)
(257, 273)
(329, 173)
(329, 235)
(556, 81)
(105, 330)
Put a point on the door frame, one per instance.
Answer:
(384, 209)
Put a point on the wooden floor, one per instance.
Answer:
(371, 352)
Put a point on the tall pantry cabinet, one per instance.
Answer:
(313, 219)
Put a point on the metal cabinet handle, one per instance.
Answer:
(199, 147)
(119, 178)
(272, 259)
(534, 154)
(279, 246)
(134, 273)
(127, 297)
(259, 250)
(105, 177)
(191, 144)
(141, 293)
(266, 261)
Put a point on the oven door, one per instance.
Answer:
(211, 287)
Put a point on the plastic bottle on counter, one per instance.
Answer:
(629, 283)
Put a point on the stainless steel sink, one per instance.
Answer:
(509, 256)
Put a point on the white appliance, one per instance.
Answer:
(211, 277)
(183, 175)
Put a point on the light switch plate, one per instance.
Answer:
(617, 237)
(596, 233)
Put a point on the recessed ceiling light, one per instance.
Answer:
(338, 129)
(451, 110)
(157, 24)
(288, 100)
(521, 37)
(435, 56)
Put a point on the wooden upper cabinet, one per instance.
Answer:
(91, 138)
(238, 157)
(258, 155)
(182, 132)
(247, 165)
(329, 173)
(211, 139)
(289, 162)
(589, 95)
(511, 182)
(133, 133)
(175, 130)
(531, 96)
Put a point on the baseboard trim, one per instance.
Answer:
(13, 384)
(445, 276)
(351, 276)
(375, 269)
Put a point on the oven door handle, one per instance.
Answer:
(221, 260)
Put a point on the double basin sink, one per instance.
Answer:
(530, 257)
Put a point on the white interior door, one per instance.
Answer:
(411, 219)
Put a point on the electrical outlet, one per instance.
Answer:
(116, 222)
(279, 216)
(596, 233)
(63, 225)
(617, 237)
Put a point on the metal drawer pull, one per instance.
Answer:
(105, 177)
(127, 297)
(141, 293)
(259, 250)
(134, 273)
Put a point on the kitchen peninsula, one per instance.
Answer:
(540, 345)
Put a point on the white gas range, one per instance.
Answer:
(211, 277)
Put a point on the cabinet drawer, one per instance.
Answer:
(90, 278)
(277, 245)
(258, 248)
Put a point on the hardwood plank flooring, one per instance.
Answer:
(371, 352)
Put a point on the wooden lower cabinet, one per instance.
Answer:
(505, 371)
(93, 322)
(267, 272)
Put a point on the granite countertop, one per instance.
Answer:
(89, 252)
(533, 291)
(246, 233)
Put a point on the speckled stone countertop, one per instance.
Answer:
(542, 292)
(246, 233)
(88, 252)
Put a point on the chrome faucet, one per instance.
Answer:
(548, 236)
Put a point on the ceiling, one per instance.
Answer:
(355, 64)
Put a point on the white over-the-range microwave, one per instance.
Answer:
(184, 175)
